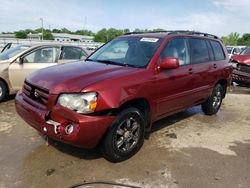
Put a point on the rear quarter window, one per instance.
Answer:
(218, 51)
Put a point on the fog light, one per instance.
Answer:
(69, 129)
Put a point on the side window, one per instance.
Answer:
(218, 51)
(72, 53)
(210, 50)
(199, 51)
(177, 48)
(42, 55)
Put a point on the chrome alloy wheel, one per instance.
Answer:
(217, 98)
(1, 91)
(127, 135)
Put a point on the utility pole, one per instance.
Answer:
(42, 27)
(85, 23)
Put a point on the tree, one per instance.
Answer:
(231, 39)
(126, 31)
(65, 30)
(56, 31)
(21, 34)
(244, 40)
(47, 35)
(83, 32)
(105, 35)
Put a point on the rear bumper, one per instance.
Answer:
(239, 76)
(87, 132)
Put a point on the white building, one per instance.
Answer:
(65, 37)
(30, 36)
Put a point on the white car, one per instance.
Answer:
(234, 50)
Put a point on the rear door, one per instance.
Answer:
(218, 64)
(30, 62)
(173, 86)
(202, 60)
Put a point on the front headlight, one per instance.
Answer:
(83, 103)
(234, 64)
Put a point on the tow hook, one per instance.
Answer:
(55, 124)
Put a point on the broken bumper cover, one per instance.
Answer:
(239, 76)
(87, 130)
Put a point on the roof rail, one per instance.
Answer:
(187, 32)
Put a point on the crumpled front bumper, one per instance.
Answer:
(88, 130)
(240, 77)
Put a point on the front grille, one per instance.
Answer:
(244, 68)
(36, 93)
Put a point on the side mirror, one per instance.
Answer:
(169, 63)
(19, 60)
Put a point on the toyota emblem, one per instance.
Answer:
(36, 94)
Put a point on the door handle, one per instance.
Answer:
(190, 71)
(215, 66)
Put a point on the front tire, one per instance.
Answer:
(3, 91)
(213, 103)
(125, 136)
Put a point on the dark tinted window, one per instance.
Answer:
(218, 51)
(210, 50)
(199, 51)
(72, 53)
(177, 48)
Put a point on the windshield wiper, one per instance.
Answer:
(107, 62)
(114, 63)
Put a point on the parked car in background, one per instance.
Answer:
(241, 65)
(233, 50)
(113, 98)
(16, 63)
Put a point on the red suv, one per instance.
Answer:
(112, 98)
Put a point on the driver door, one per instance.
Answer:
(35, 60)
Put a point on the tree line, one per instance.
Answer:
(104, 35)
(235, 39)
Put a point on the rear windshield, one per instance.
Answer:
(127, 51)
(12, 52)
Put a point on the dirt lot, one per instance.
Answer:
(188, 149)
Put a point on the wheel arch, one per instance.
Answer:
(141, 104)
(6, 84)
(223, 83)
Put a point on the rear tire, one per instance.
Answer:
(125, 136)
(3, 91)
(213, 103)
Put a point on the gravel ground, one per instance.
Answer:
(188, 149)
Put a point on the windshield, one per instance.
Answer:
(127, 51)
(12, 52)
(246, 51)
(229, 50)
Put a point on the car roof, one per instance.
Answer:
(50, 44)
(163, 34)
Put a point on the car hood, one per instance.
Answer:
(74, 77)
(243, 59)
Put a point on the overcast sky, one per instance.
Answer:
(219, 17)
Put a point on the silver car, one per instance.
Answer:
(16, 63)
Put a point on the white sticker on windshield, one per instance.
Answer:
(149, 39)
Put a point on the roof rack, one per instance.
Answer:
(187, 32)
